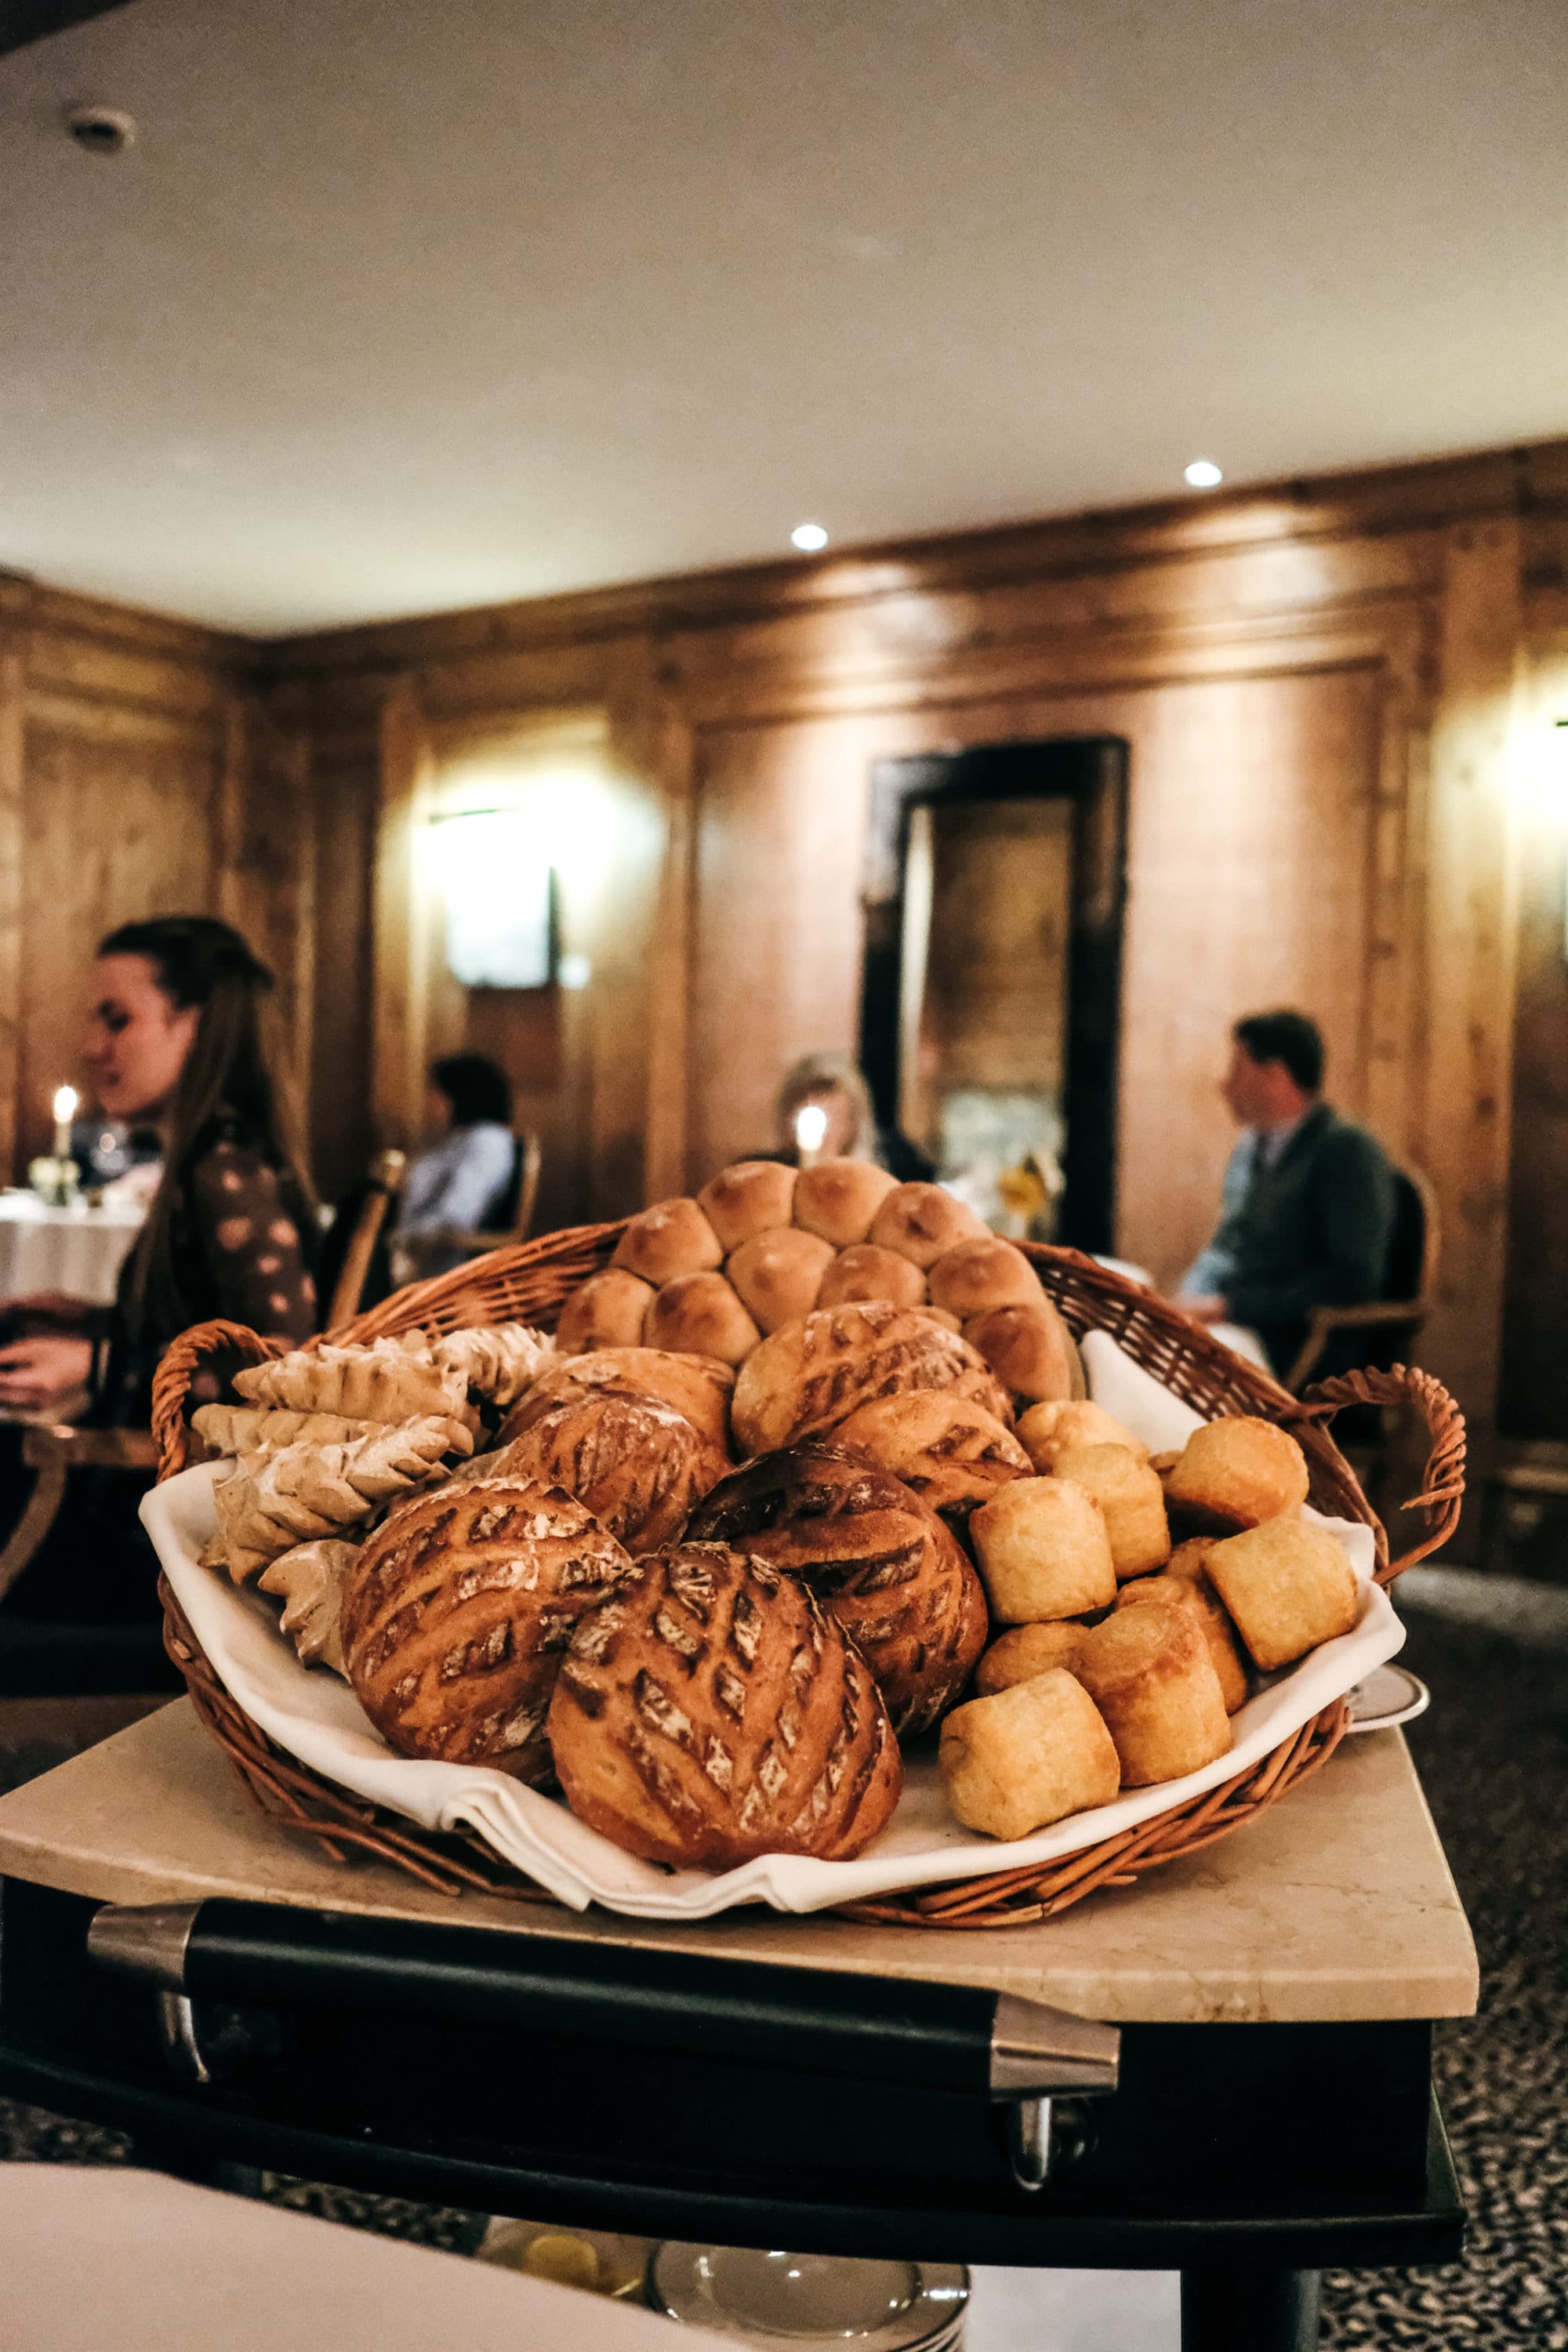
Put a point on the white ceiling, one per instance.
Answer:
(406, 304)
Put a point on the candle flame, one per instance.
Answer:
(65, 1103)
(810, 1125)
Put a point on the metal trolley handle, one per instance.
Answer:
(933, 2036)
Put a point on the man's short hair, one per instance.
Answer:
(1288, 1037)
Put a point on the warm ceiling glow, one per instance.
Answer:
(1203, 474)
(809, 536)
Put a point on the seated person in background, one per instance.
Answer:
(1307, 1208)
(831, 1084)
(177, 1040)
(464, 1182)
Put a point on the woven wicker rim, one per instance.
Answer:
(530, 1282)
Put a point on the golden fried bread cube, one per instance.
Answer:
(1195, 1592)
(1130, 1496)
(1019, 1655)
(1149, 1672)
(1287, 1586)
(1026, 1757)
(1042, 1550)
(1047, 1431)
(1235, 1474)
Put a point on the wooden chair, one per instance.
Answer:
(1390, 1324)
(382, 1188)
(451, 1244)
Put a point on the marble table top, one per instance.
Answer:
(1336, 1904)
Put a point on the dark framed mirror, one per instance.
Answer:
(991, 1004)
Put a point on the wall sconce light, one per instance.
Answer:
(499, 889)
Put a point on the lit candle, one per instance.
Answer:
(810, 1127)
(65, 1112)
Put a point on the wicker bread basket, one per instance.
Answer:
(530, 1284)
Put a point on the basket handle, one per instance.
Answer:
(1443, 1485)
(178, 1367)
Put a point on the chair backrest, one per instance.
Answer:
(381, 1189)
(1413, 1252)
(513, 1213)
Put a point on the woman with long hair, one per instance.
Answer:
(178, 1039)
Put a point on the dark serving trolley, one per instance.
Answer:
(1223, 2070)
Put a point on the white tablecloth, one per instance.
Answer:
(77, 1250)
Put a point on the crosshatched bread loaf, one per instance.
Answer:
(608, 1310)
(751, 1196)
(884, 1565)
(700, 1315)
(456, 1616)
(776, 1276)
(922, 1223)
(672, 1237)
(638, 1464)
(710, 1712)
(839, 1198)
(811, 1375)
(866, 1271)
(947, 1449)
(696, 1386)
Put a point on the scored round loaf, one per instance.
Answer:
(776, 1276)
(456, 1613)
(1148, 1670)
(839, 1199)
(922, 1223)
(751, 1196)
(885, 1566)
(608, 1310)
(1047, 1431)
(637, 1464)
(672, 1237)
(1235, 1474)
(947, 1449)
(983, 1272)
(811, 1375)
(1029, 1348)
(700, 1315)
(696, 1386)
(713, 1712)
(864, 1271)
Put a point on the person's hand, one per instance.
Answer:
(1203, 1307)
(37, 1373)
(52, 1309)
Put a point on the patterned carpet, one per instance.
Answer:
(1494, 1756)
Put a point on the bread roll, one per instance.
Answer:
(922, 1223)
(1026, 1757)
(700, 1315)
(811, 1375)
(1026, 1651)
(1028, 1349)
(839, 1199)
(1149, 1673)
(696, 1386)
(1235, 1474)
(983, 1272)
(1043, 1551)
(776, 1276)
(1130, 1494)
(942, 1314)
(1196, 1594)
(640, 1465)
(1047, 1431)
(948, 1450)
(711, 1712)
(608, 1310)
(865, 1272)
(885, 1566)
(751, 1196)
(457, 1613)
(672, 1238)
(1287, 1586)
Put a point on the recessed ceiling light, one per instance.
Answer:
(1203, 474)
(809, 537)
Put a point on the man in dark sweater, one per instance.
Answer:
(1307, 1210)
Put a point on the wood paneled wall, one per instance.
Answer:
(1327, 689)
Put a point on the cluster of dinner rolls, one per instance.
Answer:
(764, 1247)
